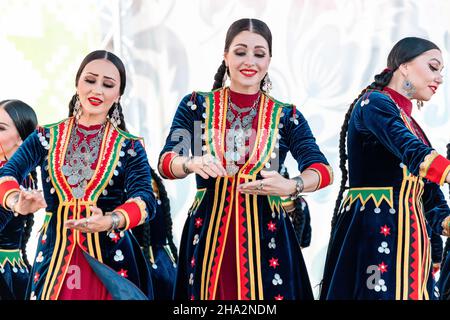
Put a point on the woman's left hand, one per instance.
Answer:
(97, 222)
(272, 183)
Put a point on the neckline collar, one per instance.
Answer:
(403, 102)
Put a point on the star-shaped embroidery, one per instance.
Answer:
(382, 267)
(123, 273)
(36, 277)
(271, 226)
(274, 263)
(193, 262)
(192, 297)
(114, 237)
(279, 297)
(385, 230)
(198, 222)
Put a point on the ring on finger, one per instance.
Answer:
(260, 186)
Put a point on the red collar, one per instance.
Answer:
(402, 101)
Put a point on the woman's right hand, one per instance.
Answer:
(206, 166)
(29, 202)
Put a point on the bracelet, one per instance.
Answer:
(115, 221)
(185, 168)
(13, 206)
(299, 186)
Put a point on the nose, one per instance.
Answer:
(97, 89)
(440, 79)
(249, 61)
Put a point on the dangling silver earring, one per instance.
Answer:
(419, 104)
(77, 109)
(225, 77)
(267, 84)
(409, 88)
(115, 118)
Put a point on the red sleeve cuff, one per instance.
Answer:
(134, 212)
(325, 174)
(165, 167)
(7, 186)
(435, 168)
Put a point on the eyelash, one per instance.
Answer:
(433, 68)
(109, 86)
(258, 55)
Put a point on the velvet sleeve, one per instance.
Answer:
(141, 204)
(29, 155)
(382, 118)
(435, 206)
(182, 132)
(299, 140)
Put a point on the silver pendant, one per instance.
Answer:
(231, 169)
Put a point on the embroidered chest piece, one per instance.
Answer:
(80, 157)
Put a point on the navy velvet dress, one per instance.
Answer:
(380, 246)
(121, 182)
(14, 273)
(268, 258)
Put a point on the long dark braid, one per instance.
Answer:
(218, 78)
(166, 209)
(381, 81)
(146, 230)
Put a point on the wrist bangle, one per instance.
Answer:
(115, 222)
(299, 186)
(15, 200)
(185, 168)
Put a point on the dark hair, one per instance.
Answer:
(252, 25)
(145, 235)
(25, 121)
(403, 51)
(111, 57)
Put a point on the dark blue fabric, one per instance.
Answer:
(133, 179)
(163, 268)
(185, 137)
(379, 147)
(444, 278)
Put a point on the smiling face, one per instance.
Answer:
(9, 136)
(424, 72)
(98, 89)
(248, 59)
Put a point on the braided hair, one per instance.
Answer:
(403, 51)
(143, 232)
(111, 57)
(246, 24)
(25, 121)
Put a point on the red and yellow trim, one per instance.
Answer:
(325, 173)
(435, 168)
(134, 212)
(8, 185)
(165, 167)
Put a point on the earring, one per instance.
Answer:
(115, 118)
(77, 109)
(267, 84)
(419, 104)
(225, 77)
(409, 88)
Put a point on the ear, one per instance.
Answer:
(403, 68)
(225, 58)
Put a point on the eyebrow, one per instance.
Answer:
(94, 74)
(436, 60)
(256, 47)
